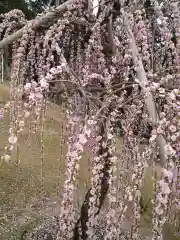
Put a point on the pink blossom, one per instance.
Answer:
(172, 128)
(27, 87)
(159, 210)
(164, 187)
(44, 84)
(82, 139)
(168, 174)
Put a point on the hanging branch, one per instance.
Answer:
(83, 219)
(48, 16)
(2, 67)
(143, 82)
(80, 230)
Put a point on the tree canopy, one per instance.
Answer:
(133, 84)
(29, 7)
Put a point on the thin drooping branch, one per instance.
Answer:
(143, 82)
(44, 19)
(83, 219)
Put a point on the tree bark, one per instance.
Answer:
(48, 16)
(143, 82)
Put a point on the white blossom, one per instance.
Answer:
(6, 158)
(12, 139)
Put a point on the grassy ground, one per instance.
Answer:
(26, 195)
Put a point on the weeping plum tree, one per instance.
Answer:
(117, 64)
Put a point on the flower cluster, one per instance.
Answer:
(75, 148)
(10, 22)
(112, 220)
(126, 61)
